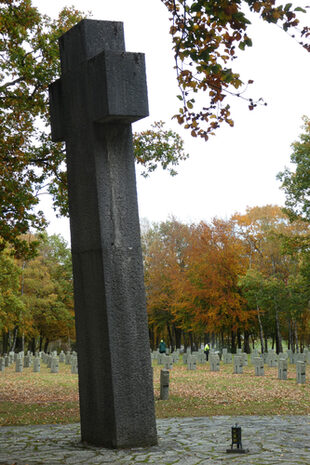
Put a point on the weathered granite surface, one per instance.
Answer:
(283, 440)
(102, 90)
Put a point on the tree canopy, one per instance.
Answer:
(296, 181)
(207, 36)
(28, 63)
(36, 295)
(29, 162)
(227, 279)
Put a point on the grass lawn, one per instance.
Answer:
(45, 398)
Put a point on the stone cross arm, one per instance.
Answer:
(112, 81)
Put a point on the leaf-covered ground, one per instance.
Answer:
(36, 398)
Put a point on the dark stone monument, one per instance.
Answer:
(101, 92)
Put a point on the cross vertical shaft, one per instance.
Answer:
(101, 91)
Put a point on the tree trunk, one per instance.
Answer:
(19, 344)
(177, 336)
(32, 345)
(46, 345)
(239, 338)
(5, 341)
(222, 344)
(206, 338)
(279, 347)
(266, 344)
(185, 341)
(261, 330)
(296, 337)
(171, 344)
(246, 343)
(190, 340)
(15, 332)
(233, 343)
(289, 342)
(151, 336)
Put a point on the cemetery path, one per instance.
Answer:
(283, 440)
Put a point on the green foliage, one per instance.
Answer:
(158, 146)
(29, 61)
(296, 183)
(206, 36)
(11, 305)
(47, 290)
(29, 161)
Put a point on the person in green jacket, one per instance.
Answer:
(162, 347)
(206, 351)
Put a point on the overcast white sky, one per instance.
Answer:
(236, 168)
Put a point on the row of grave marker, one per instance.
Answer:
(239, 361)
(270, 358)
(50, 360)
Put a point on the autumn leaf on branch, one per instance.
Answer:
(206, 36)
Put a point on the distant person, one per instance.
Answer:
(206, 351)
(162, 347)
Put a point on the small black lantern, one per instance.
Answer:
(236, 441)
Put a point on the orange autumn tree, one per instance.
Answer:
(208, 290)
(273, 279)
(164, 251)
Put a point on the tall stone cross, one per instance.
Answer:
(101, 92)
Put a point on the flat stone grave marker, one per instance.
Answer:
(36, 365)
(201, 358)
(19, 365)
(272, 359)
(282, 368)
(227, 358)
(238, 369)
(300, 372)
(74, 365)
(214, 362)
(259, 366)
(161, 359)
(191, 362)
(301, 357)
(164, 384)
(168, 364)
(244, 359)
(68, 358)
(49, 361)
(154, 355)
(55, 364)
